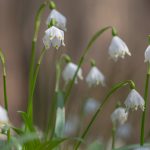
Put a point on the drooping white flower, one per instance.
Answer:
(59, 18)
(95, 77)
(119, 116)
(53, 37)
(118, 48)
(69, 72)
(147, 54)
(91, 106)
(134, 101)
(3, 115)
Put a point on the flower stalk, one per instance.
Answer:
(145, 107)
(113, 89)
(82, 58)
(33, 83)
(113, 136)
(35, 36)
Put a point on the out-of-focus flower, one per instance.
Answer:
(147, 54)
(53, 37)
(95, 77)
(119, 116)
(59, 18)
(69, 72)
(134, 100)
(71, 125)
(118, 48)
(91, 106)
(124, 131)
(3, 115)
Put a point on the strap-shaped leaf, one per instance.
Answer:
(60, 115)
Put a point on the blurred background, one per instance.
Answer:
(131, 19)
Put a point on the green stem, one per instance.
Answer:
(85, 52)
(52, 116)
(113, 89)
(8, 135)
(30, 102)
(2, 58)
(113, 136)
(36, 31)
(144, 112)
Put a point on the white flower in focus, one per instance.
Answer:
(53, 37)
(118, 48)
(59, 18)
(69, 72)
(147, 54)
(142, 148)
(119, 116)
(134, 100)
(91, 106)
(95, 77)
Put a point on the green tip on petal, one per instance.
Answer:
(67, 58)
(52, 5)
(114, 31)
(93, 63)
(118, 104)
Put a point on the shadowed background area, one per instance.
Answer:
(131, 19)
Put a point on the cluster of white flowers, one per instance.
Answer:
(133, 101)
(93, 78)
(54, 36)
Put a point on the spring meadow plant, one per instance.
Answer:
(59, 133)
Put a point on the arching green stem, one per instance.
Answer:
(35, 36)
(144, 112)
(2, 58)
(113, 89)
(85, 52)
(113, 136)
(33, 83)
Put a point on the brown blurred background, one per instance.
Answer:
(131, 18)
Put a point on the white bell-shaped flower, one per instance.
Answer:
(147, 54)
(53, 37)
(69, 72)
(134, 101)
(91, 106)
(59, 18)
(118, 48)
(119, 116)
(95, 77)
(3, 115)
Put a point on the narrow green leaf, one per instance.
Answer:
(60, 115)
